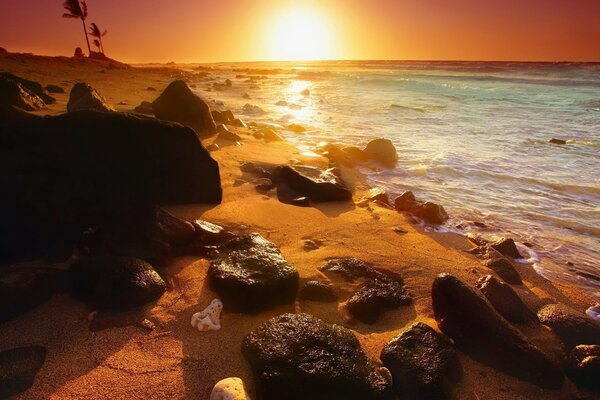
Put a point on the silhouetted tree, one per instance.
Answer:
(97, 44)
(77, 9)
(95, 32)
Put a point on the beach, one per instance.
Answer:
(153, 353)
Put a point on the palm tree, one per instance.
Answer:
(95, 32)
(77, 9)
(97, 44)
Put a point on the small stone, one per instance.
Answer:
(208, 319)
(310, 245)
(229, 389)
(318, 291)
(557, 141)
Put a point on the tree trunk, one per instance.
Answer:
(86, 38)
(101, 46)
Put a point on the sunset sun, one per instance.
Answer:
(299, 34)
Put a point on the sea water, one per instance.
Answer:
(470, 136)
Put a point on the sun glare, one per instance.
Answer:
(299, 34)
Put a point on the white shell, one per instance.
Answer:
(209, 319)
(229, 389)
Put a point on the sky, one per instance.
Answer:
(265, 30)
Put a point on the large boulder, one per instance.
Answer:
(31, 86)
(583, 367)
(12, 93)
(179, 104)
(430, 212)
(506, 247)
(382, 151)
(505, 300)
(572, 327)
(314, 183)
(423, 363)
(18, 368)
(466, 316)
(505, 270)
(297, 357)
(65, 174)
(115, 283)
(252, 275)
(84, 97)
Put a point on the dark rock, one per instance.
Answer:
(18, 368)
(151, 89)
(557, 141)
(297, 357)
(3, 50)
(78, 53)
(179, 104)
(350, 269)
(505, 300)
(338, 156)
(382, 151)
(84, 97)
(505, 270)
(430, 212)
(318, 291)
(12, 93)
(54, 89)
(300, 201)
(225, 117)
(506, 247)
(423, 363)
(32, 86)
(379, 195)
(145, 108)
(572, 327)
(310, 245)
(252, 275)
(478, 330)
(263, 184)
(210, 233)
(87, 167)
(239, 123)
(314, 183)
(115, 283)
(583, 367)
(226, 135)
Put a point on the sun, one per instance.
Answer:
(299, 34)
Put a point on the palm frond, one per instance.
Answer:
(70, 16)
(94, 30)
(104, 33)
(85, 9)
(97, 43)
(73, 7)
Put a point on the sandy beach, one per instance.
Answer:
(154, 353)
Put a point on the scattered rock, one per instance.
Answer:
(318, 291)
(263, 184)
(314, 183)
(506, 247)
(12, 93)
(505, 300)
(282, 103)
(505, 270)
(269, 135)
(295, 128)
(423, 363)
(145, 108)
(213, 147)
(583, 367)
(572, 327)
(178, 103)
(305, 93)
(557, 141)
(430, 212)
(229, 389)
(246, 96)
(300, 201)
(310, 245)
(33, 87)
(210, 233)
(379, 195)
(208, 319)
(85, 97)
(239, 123)
(478, 330)
(151, 89)
(54, 89)
(382, 151)
(251, 109)
(252, 275)
(226, 135)
(18, 368)
(297, 356)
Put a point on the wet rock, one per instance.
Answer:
(145, 107)
(151, 89)
(378, 195)
(297, 356)
(85, 97)
(122, 161)
(54, 89)
(557, 141)
(314, 183)
(506, 247)
(430, 212)
(12, 93)
(18, 368)
(179, 104)
(350, 269)
(478, 330)
(226, 135)
(252, 109)
(269, 135)
(31, 86)
(210, 234)
(505, 300)
(572, 327)
(505, 270)
(115, 283)
(225, 117)
(310, 245)
(295, 128)
(423, 363)
(252, 275)
(583, 367)
(382, 151)
(300, 201)
(239, 123)
(318, 291)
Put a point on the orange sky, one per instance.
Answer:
(249, 30)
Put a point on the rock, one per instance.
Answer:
(301, 201)
(506, 247)
(228, 82)
(213, 147)
(314, 183)
(557, 141)
(583, 367)
(378, 195)
(32, 86)
(594, 312)
(145, 107)
(120, 162)
(78, 53)
(239, 123)
(572, 327)
(282, 103)
(251, 109)
(263, 184)
(269, 135)
(295, 128)
(297, 356)
(350, 269)
(478, 330)
(305, 92)
(252, 275)
(208, 319)
(85, 97)
(310, 245)
(318, 291)
(12, 93)
(18, 368)
(54, 89)
(430, 212)
(179, 104)
(505, 270)
(225, 117)
(229, 389)
(211, 234)
(423, 363)
(151, 89)
(3, 51)
(246, 96)
(382, 151)
(115, 283)
(505, 300)
(226, 135)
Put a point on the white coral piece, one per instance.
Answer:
(209, 319)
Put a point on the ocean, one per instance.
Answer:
(472, 136)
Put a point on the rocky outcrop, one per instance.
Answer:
(423, 363)
(84, 97)
(89, 167)
(297, 357)
(31, 86)
(251, 275)
(314, 183)
(179, 104)
(13, 94)
(145, 107)
(583, 367)
(382, 151)
(54, 89)
(572, 327)
(430, 212)
(18, 368)
(318, 291)
(505, 300)
(115, 283)
(468, 318)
